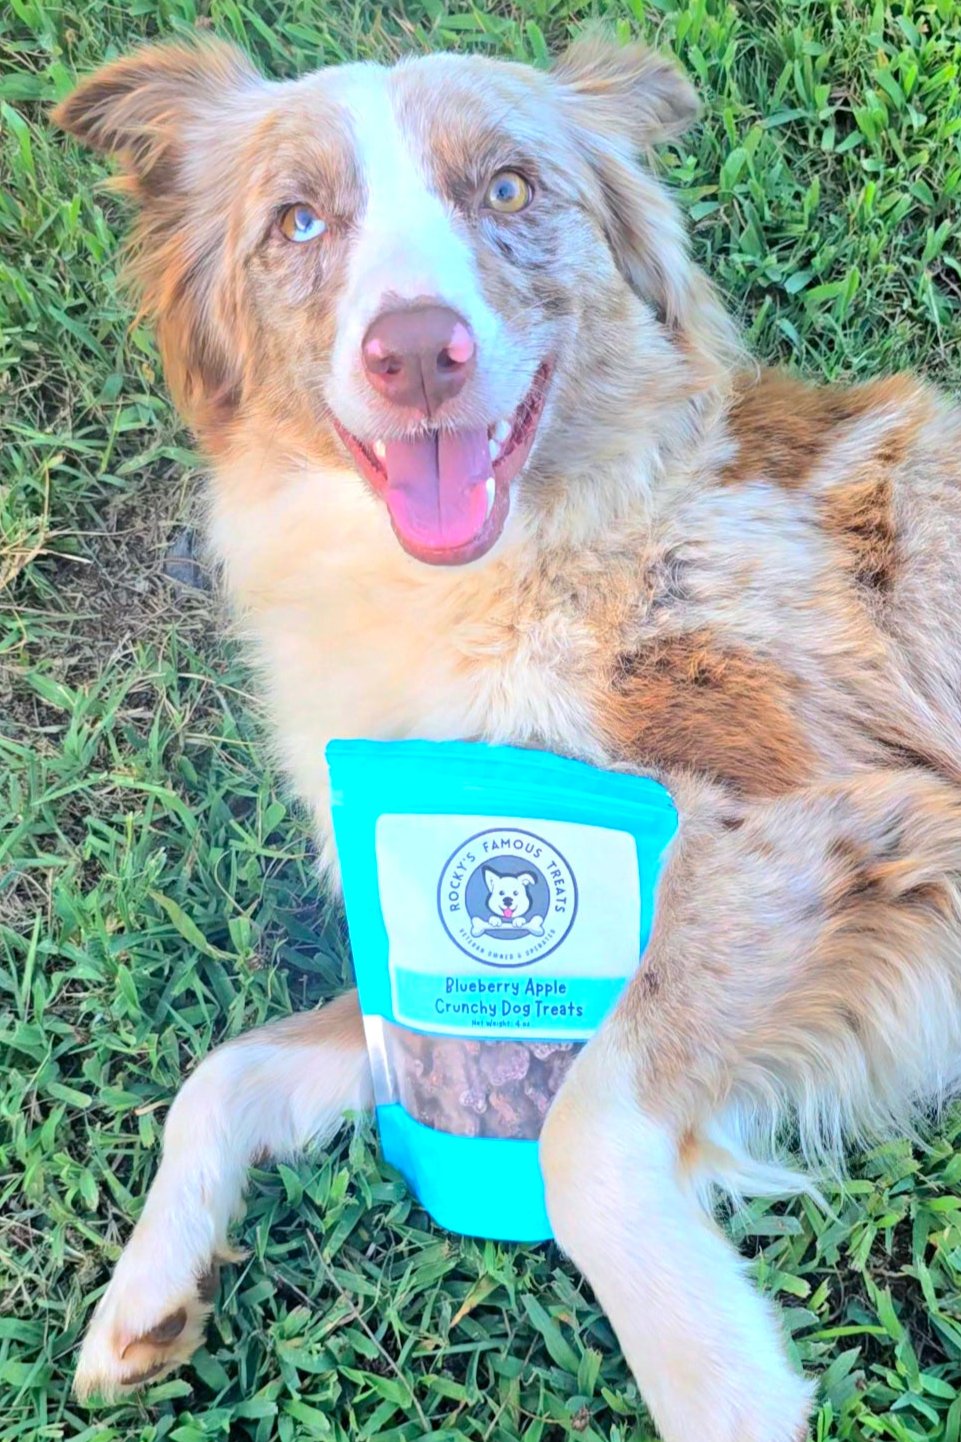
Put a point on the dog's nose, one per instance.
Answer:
(420, 357)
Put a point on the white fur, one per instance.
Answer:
(703, 1344)
(266, 1094)
(391, 633)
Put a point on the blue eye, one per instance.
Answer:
(301, 222)
(508, 192)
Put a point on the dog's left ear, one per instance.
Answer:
(627, 91)
(618, 102)
(526, 879)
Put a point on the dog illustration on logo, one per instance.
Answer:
(508, 904)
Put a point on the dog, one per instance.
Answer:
(474, 415)
(508, 902)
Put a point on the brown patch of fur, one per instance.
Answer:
(860, 516)
(628, 89)
(167, 1330)
(209, 1284)
(132, 108)
(696, 1155)
(783, 426)
(209, 153)
(883, 873)
(139, 1379)
(688, 701)
(887, 884)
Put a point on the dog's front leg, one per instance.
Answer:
(266, 1094)
(637, 1135)
(622, 1180)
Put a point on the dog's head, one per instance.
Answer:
(508, 896)
(451, 273)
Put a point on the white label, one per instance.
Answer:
(499, 925)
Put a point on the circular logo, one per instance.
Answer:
(507, 897)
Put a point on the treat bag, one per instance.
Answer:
(498, 900)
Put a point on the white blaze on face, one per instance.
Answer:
(448, 494)
(406, 248)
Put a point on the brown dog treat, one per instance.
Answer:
(506, 1115)
(543, 1049)
(474, 1099)
(459, 1122)
(413, 1049)
(505, 1061)
(452, 1070)
(538, 1096)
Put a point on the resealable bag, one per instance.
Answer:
(498, 900)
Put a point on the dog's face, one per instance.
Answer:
(508, 896)
(449, 273)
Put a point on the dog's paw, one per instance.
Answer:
(145, 1325)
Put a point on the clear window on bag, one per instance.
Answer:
(471, 1088)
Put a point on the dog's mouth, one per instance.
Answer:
(448, 492)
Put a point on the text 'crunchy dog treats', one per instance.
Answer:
(498, 902)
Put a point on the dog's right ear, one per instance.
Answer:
(143, 109)
(491, 879)
(175, 117)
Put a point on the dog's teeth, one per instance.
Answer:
(380, 450)
(501, 431)
(491, 493)
(494, 449)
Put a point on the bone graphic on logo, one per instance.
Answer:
(532, 924)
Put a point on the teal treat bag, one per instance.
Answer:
(498, 900)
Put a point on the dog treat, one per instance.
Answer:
(478, 1089)
(498, 902)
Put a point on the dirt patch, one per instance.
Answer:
(86, 612)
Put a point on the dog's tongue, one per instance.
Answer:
(436, 488)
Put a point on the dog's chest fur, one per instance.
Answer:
(356, 639)
(639, 647)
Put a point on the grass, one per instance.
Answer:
(156, 891)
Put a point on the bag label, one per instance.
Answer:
(500, 925)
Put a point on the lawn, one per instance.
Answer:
(156, 887)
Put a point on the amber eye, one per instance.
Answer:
(301, 222)
(508, 193)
